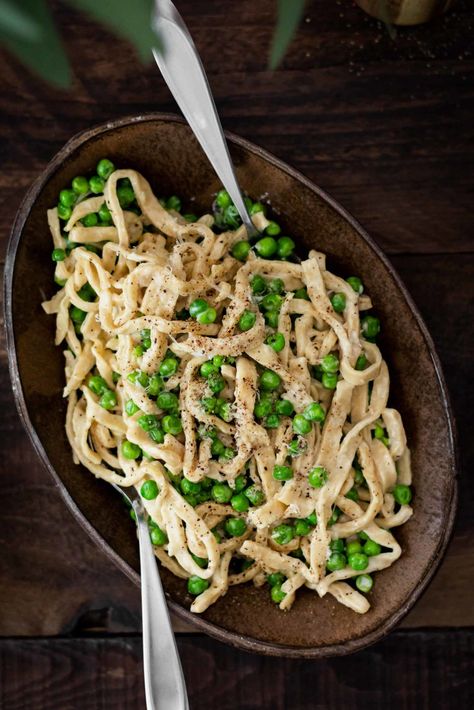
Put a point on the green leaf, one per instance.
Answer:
(28, 31)
(131, 20)
(290, 13)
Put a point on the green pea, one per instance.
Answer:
(312, 519)
(167, 401)
(207, 317)
(154, 384)
(60, 282)
(199, 305)
(189, 487)
(247, 320)
(67, 198)
(168, 367)
(224, 410)
(77, 315)
(130, 451)
(200, 561)
(358, 561)
(338, 301)
(275, 578)
(232, 217)
(97, 384)
(336, 562)
(221, 492)
(361, 362)
(96, 184)
(329, 380)
(301, 293)
(108, 400)
(58, 255)
(148, 422)
(228, 453)
(266, 247)
(235, 527)
(277, 594)
(285, 247)
(379, 431)
(172, 424)
(104, 214)
(240, 503)
(125, 195)
(80, 185)
(146, 343)
(197, 585)
(105, 168)
(284, 407)
(301, 425)
(191, 499)
(145, 333)
(269, 380)
(318, 476)
(240, 250)
(158, 536)
(353, 547)
(337, 545)
(64, 212)
(149, 490)
(359, 479)
(276, 341)
(173, 203)
(262, 409)
(302, 527)
(372, 548)
(282, 473)
(356, 284)
(207, 369)
(314, 412)
(157, 435)
(90, 220)
(190, 217)
(272, 421)
(131, 407)
(255, 495)
(352, 494)
(272, 302)
(209, 404)
(218, 360)
(273, 229)
(217, 448)
(258, 284)
(364, 583)
(276, 286)
(248, 203)
(335, 515)
(370, 327)
(115, 377)
(402, 494)
(223, 199)
(87, 293)
(138, 350)
(283, 534)
(271, 319)
(240, 482)
(257, 207)
(330, 363)
(216, 382)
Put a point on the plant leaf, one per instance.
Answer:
(290, 13)
(131, 20)
(29, 33)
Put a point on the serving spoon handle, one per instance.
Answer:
(182, 69)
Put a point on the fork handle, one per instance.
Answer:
(182, 69)
(165, 687)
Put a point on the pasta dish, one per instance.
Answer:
(238, 388)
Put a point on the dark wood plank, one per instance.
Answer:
(54, 580)
(406, 671)
(386, 126)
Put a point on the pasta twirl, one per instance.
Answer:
(239, 390)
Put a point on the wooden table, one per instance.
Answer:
(386, 126)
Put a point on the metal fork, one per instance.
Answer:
(182, 69)
(165, 687)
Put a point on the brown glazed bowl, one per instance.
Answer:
(163, 148)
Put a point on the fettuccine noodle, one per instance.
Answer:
(245, 399)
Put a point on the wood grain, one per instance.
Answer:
(406, 671)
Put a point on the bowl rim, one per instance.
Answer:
(232, 638)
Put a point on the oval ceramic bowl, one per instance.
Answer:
(164, 150)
